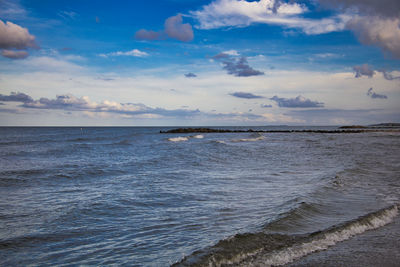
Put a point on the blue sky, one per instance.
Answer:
(199, 62)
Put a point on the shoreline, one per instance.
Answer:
(377, 247)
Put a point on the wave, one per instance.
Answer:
(185, 138)
(257, 137)
(269, 249)
(178, 139)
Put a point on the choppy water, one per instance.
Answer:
(133, 196)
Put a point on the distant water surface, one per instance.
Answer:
(133, 196)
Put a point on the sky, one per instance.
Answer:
(199, 62)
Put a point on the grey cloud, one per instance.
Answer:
(221, 56)
(245, 95)
(297, 102)
(381, 32)
(237, 67)
(265, 106)
(14, 54)
(366, 70)
(377, 22)
(60, 102)
(389, 76)
(173, 28)
(16, 97)
(374, 95)
(70, 102)
(15, 36)
(190, 75)
(363, 70)
(240, 68)
(107, 79)
(386, 8)
(148, 35)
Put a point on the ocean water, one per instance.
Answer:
(135, 197)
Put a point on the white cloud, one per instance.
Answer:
(240, 13)
(231, 53)
(131, 53)
(68, 14)
(11, 9)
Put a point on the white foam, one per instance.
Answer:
(328, 239)
(178, 139)
(249, 139)
(185, 138)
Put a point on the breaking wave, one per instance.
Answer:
(257, 137)
(185, 138)
(266, 249)
(178, 139)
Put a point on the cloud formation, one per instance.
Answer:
(297, 102)
(70, 102)
(374, 95)
(148, 35)
(363, 70)
(239, 13)
(389, 76)
(367, 70)
(16, 97)
(173, 28)
(131, 53)
(373, 22)
(265, 106)
(237, 67)
(11, 10)
(245, 95)
(68, 14)
(381, 32)
(190, 75)
(14, 54)
(384, 8)
(13, 36)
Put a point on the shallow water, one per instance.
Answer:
(96, 196)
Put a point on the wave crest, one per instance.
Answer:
(263, 249)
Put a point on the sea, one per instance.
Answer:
(132, 196)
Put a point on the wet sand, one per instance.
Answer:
(379, 247)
